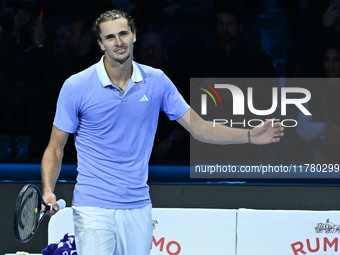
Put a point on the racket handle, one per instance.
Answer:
(61, 203)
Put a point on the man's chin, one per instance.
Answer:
(226, 40)
(122, 60)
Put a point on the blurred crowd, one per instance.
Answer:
(43, 42)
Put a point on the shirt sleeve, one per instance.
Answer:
(173, 104)
(66, 117)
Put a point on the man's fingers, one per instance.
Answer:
(53, 210)
(280, 128)
(276, 140)
(279, 134)
(55, 207)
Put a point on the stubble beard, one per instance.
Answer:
(120, 60)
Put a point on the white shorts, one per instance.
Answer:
(103, 231)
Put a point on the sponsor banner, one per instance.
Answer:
(306, 107)
(193, 231)
(266, 232)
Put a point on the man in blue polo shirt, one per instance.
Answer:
(112, 109)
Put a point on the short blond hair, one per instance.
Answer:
(112, 15)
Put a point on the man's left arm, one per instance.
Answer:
(204, 131)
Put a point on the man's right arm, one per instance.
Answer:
(51, 165)
(221, 134)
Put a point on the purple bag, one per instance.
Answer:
(66, 246)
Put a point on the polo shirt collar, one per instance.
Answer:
(104, 77)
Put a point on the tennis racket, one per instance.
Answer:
(28, 213)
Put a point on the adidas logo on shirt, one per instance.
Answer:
(143, 99)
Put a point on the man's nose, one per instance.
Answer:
(118, 41)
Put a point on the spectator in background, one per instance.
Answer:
(152, 51)
(44, 82)
(69, 51)
(171, 140)
(302, 21)
(59, 43)
(180, 22)
(231, 56)
(327, 28)
(331, 19)
(323, 135)
(81, 46)
(16, 42)
(234, 58)
(13, 66)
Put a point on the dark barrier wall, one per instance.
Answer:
(182, 196)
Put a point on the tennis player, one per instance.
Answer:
(112, 109)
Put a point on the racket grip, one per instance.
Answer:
(61, 204)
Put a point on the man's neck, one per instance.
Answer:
(228, 46)
(119, 73)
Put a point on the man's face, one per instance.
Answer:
(22, 17)
(151, 50)
(331, 63)
(228, 27)
(117, 40)
(73, 36)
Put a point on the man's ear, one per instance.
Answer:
(134, 36)
(100, 45)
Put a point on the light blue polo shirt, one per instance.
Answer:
(114, 132)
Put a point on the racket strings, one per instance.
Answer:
(27, 216)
